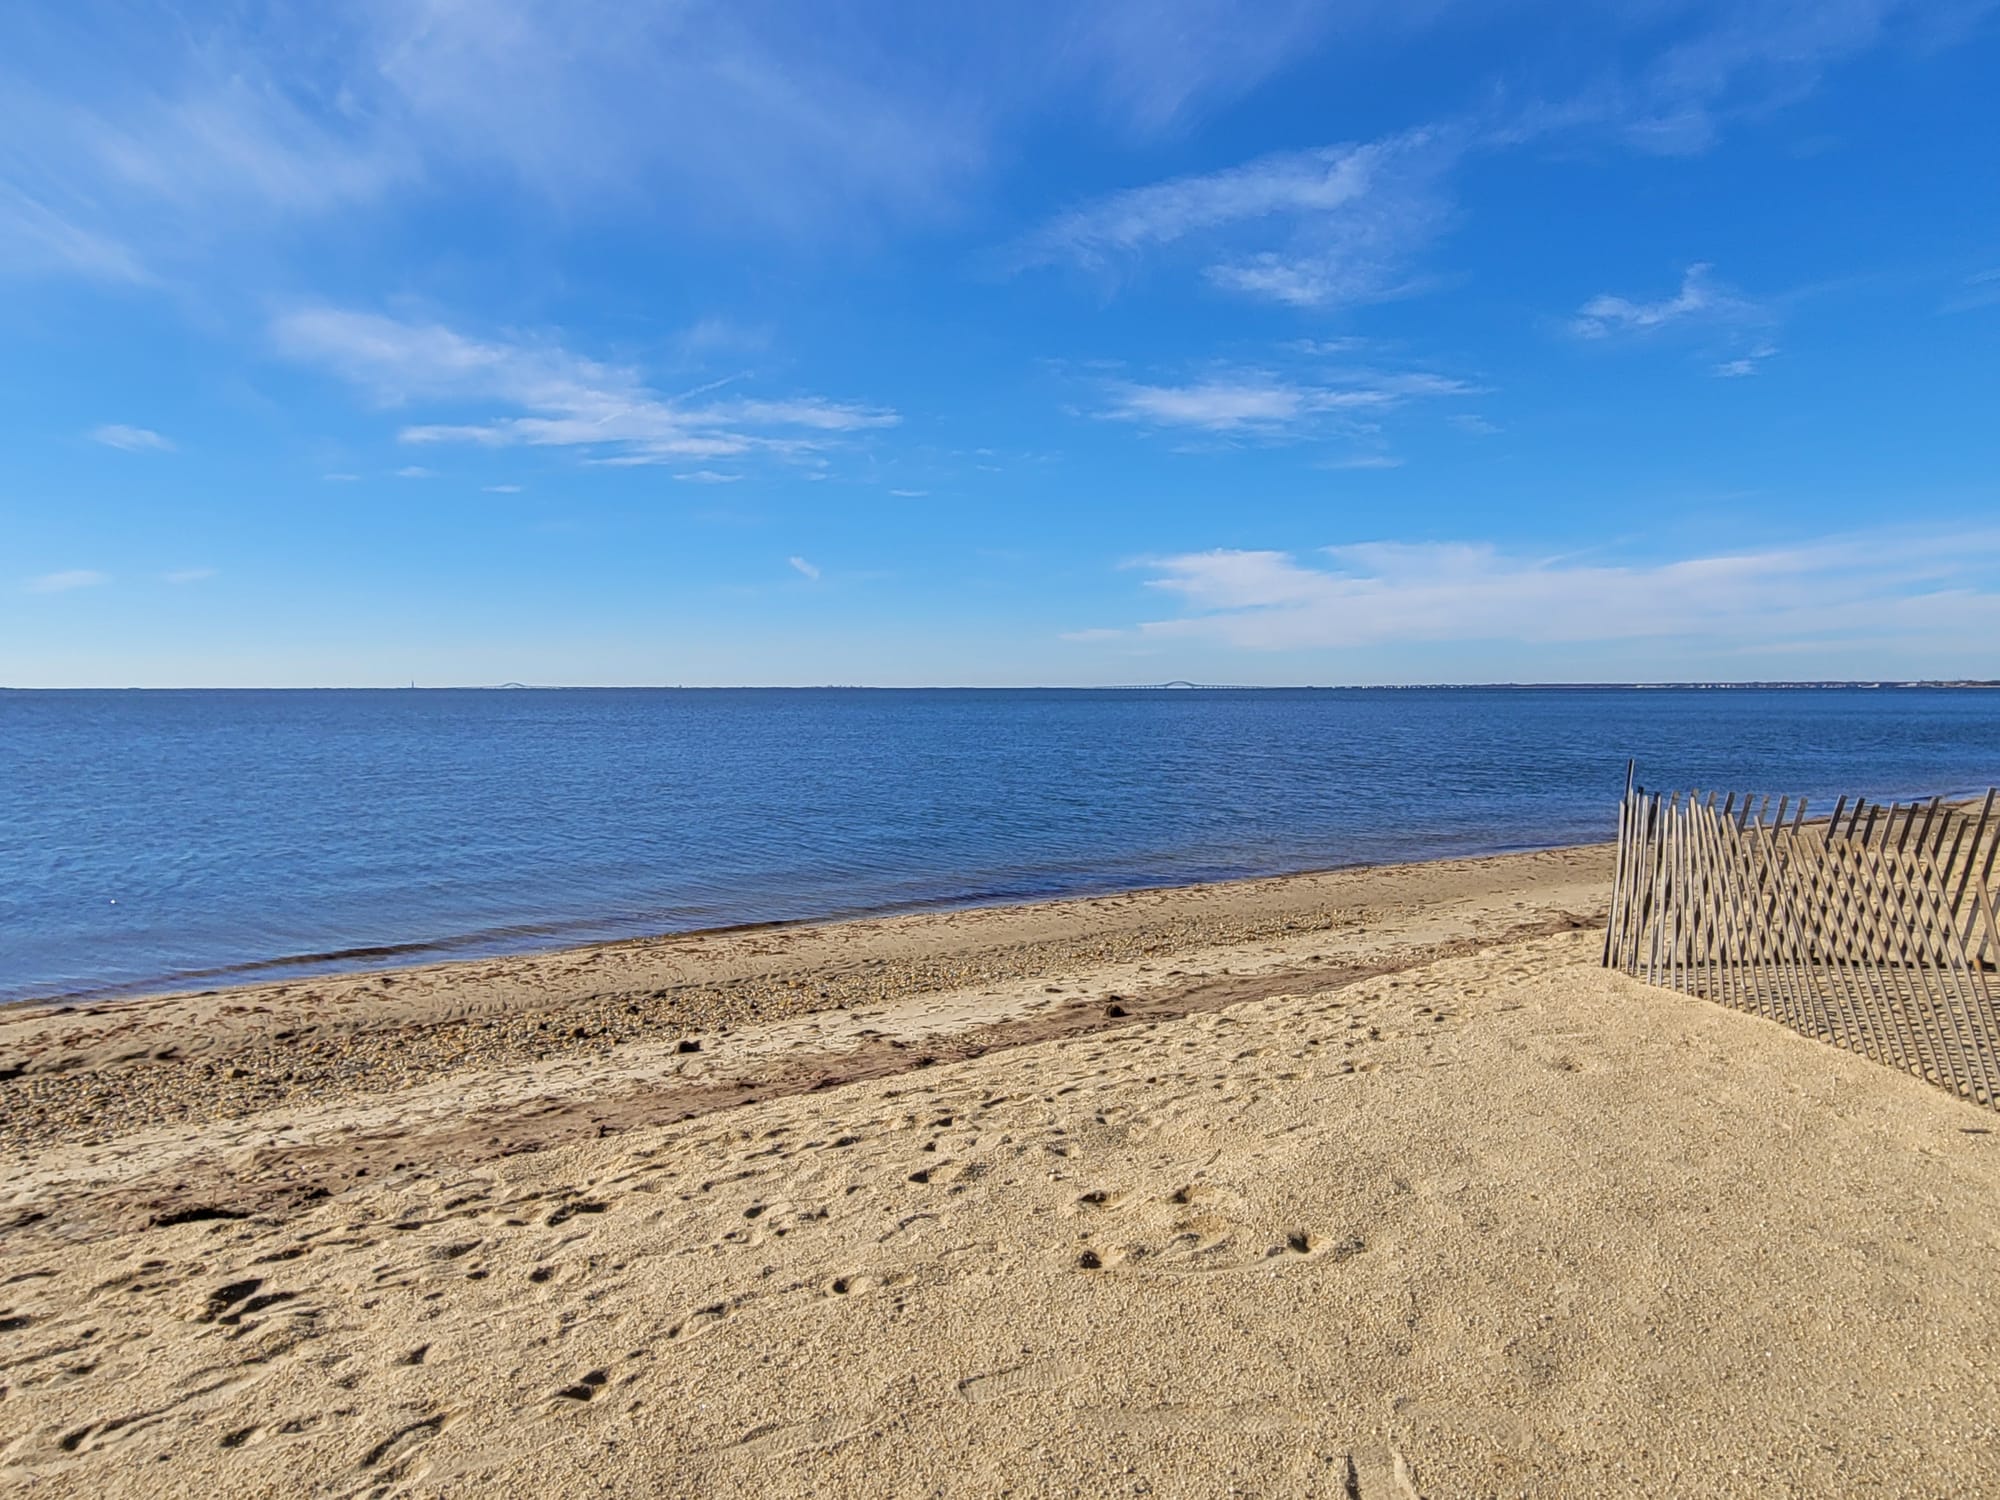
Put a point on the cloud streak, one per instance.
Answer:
(554, 398)
(1368, 594)
(130, 439)
(1728, 321)
(159, 137)
(1754, 58)
(67, 580)
(1699, 300)
(1263, 404)
(1351, 223)
(1347, 219)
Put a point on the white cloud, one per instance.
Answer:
(341, 478)
(1155, 60)
(1755, 57)
(804, 567)
(130, 439)
(155, 139)
(1344, 224)
(707, 476)
(909, 494)
(415, 471)
(557, 398)
(1605, 315)
(188, 575)
(503, 489)
(36, 237)
(1261, 403)
(160, 138)
(794, 115)
(158, 135)
(1348, 218)
(62, 583)
(1372, 593)
(1727, 322)
(1745, 364)
(1215, 404)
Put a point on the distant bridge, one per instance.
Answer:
(1182, 687)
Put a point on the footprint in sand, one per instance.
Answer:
(398, 1457)
(584, 1389)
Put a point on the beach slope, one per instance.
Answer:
(1362, 1185)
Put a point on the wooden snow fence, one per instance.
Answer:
(1874, 929)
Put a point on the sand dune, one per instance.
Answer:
(1407, 1199)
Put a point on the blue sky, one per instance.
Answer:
(468, 341)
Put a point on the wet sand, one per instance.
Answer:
(1367, 1183)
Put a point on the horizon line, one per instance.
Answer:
(1176, 687)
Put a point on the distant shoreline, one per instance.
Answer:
(1928, 683)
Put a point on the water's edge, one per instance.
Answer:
(185, 841)
(469, 948)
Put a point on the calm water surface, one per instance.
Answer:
(156, 839)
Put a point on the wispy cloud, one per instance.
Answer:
(1347, 220)
(1372, 593)
(1262, 403)
(1153, 61)
(800, 565)
(1218, 405)
(159, 135)
(188, 575)
(159, 140)
(1350, 223)
(155, 141)
(557, 398)
(1729, 325)
(1979, 290)
(130, 439)
(415, 471)
(502, 489)
(1756, 57)
(1745, 364)
(707, 476)
(63, 582)
(1605, 316)
(36, 237)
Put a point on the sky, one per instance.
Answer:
(1095, 342)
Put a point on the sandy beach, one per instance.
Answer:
(1368, 1183)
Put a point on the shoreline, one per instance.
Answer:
(492, 945)
(428, 953)
(950, 1203)
(182, 986)
(224, 1053)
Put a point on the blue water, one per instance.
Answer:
(189, 839)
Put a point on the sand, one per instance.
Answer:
(1365, 1184)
